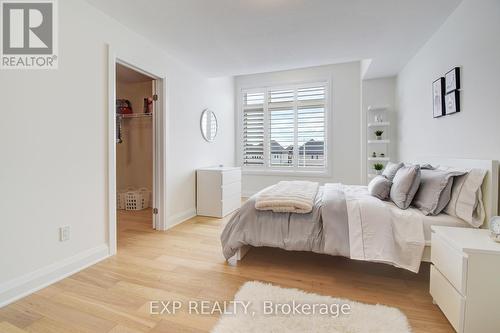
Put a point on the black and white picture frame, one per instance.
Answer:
(452, 102)
(438, 91)
(453, 80)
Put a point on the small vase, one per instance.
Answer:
(379, 137)
(495, 228)
(378, 172)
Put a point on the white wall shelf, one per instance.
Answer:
(379, 124)
(378, 107)
(378, 118)
(378, 159)
(379, 141)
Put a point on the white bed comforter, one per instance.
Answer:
(381, 234)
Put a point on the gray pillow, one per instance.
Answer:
(434, 192)
(391, 169)
(380, 187)
(426, 166)
(405, 185)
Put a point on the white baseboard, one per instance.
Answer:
(15, 289)
(178, 218)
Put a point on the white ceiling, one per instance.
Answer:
(233, 37)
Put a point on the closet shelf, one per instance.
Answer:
(135, 115)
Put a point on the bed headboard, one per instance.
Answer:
(490, 184)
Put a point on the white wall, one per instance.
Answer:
(378, 92)
(345, 121)
(53, 146)
(468, 39)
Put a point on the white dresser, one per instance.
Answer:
(465, 278)
(218, 191)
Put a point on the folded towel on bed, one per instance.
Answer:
(288, 197)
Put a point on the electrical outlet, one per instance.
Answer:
(64, 233)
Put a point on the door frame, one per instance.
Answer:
(159, 151)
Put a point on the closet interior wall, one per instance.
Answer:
(134, 156)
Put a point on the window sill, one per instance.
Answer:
(288, 173)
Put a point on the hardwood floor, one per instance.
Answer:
(186, 263)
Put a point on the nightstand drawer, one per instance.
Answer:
(229, 177)
(448, 299)
(231, 190)
(450, 262)
(230, 204)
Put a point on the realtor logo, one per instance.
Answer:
(29, 36)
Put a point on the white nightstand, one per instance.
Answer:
(465, 278)
(218, 191)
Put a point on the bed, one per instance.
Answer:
(489, 189)
(375, 231)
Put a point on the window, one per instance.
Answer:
(284, 128)
(253, 129)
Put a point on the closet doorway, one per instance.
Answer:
(126, 68)
(135, 97)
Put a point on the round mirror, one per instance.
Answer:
(208, 125)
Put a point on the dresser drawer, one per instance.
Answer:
(230, 190)
(230, 204)
(232, 176)
(448, 299)
(450, 262)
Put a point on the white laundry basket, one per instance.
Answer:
(147, 194)
(137, 200)
(121, 199)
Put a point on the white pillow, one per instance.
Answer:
(467, 198)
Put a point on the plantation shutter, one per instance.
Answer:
(253, 129)
(311, 126)
(281, 127)
(285, 128)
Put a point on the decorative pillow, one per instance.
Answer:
(434, 192)
(467, 198)
(380, 187)
(391, 169)
(405, 185)
(426, 166)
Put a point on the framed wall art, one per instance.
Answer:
(452, 79)
(452, 102)
(438, 91)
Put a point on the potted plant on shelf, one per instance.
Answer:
(378, 168)
(378, 134)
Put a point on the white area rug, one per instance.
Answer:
(360, 319)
